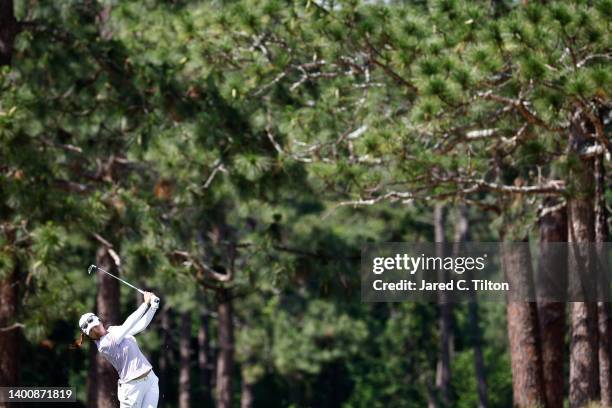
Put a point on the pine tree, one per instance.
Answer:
(457, 102)
(551, 289)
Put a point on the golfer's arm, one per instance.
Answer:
(143, 322)
(121, 331)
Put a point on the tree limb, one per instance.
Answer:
(204, 271)
(14, 326)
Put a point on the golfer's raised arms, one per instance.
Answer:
(146, 319)
(119, 332)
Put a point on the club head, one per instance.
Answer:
(91, 269)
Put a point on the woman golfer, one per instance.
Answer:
(137, 382)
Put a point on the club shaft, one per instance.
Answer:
(119, 279)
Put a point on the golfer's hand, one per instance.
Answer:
(147, 297)
(154, 302)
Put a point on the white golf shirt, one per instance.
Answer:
(120, 348)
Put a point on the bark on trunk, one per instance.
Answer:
(523, 331)
(225, 359)
(107, 301)
(92, 377)
(9, 28)
(551, 308)
(247, 398)
(165, 356)
(204, 357)
(10, 338)
(604, 309)
(443, 369)
(584, 367)
(185, 353)
(461, 235)
(481, 376)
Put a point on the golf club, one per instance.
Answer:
(92, 268)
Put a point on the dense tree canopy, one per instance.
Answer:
(236, 156)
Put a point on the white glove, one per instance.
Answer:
(154, 302)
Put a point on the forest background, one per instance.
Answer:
(235, 156)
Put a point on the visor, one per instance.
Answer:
(87, 322)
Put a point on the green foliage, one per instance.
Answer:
(304, 344)
(499, 385)
(196, 126)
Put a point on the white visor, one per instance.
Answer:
(87, 322)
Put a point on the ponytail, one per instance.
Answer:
(77, 343)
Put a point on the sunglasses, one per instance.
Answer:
(90, 320)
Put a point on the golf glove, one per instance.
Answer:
(154, 302)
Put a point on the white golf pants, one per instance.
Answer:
(141, 393)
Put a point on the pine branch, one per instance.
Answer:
(103, 241)
(397, 77)
(544, 211)
(598, 125)
(72, 186)
(67, 147)
(592, 57)
(553, 187)
(520, 106)
(217, 167)
(14, 326)
(481, 134)
(472, 186)
(204, 271)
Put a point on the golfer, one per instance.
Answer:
(137, 385)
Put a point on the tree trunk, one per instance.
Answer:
(584, 367)
(247, 398)
(584, 370)
(481, 375)
(443, 369)
(10, 338)
(92, 376)
(107, 301)
(185, 353)
(604, 309)
(461, 235)
(525, 353)
(204, 357)
(551, 308)
(9, 285)
(165, 357)
(225, 359)
(9, 28)
(604, 314)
